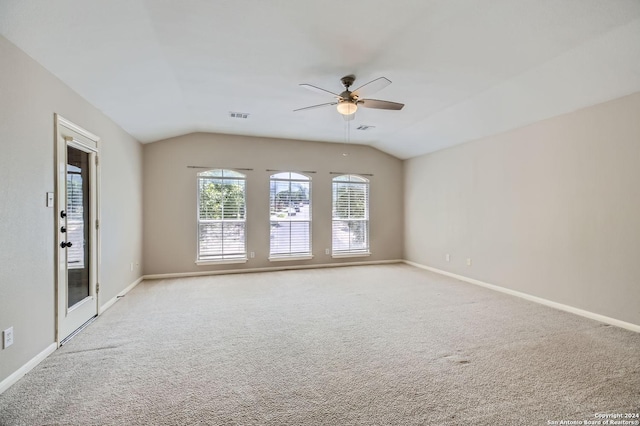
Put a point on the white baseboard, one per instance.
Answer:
(552, 304)
(266, 269)
(110, 303)
(20, 372)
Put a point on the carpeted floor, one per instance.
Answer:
(370, 345)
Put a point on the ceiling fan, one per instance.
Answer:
(348, 102)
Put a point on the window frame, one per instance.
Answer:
(351, 179)
(275, 257)
(221, 258)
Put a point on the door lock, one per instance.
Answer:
(66, 244)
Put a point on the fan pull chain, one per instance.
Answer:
(347, 132)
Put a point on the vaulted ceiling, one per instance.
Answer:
(464, 68)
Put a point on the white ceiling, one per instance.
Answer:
(464, 68)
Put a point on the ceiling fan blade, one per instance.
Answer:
(377, 104)
(319, 90)
(349, 117)
(315, 106)
(372, 87)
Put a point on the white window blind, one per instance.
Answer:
(350, 230)
(221, 215)
(290, 215)
(77, 211)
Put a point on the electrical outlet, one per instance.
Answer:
(468, 261)
(326, 251)
(7, 337)
(447, 257)
(131, 267)
(252, 254)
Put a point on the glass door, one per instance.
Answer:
(76, 229)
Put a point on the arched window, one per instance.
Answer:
(221, 216)
(350, 230)
(290, 216)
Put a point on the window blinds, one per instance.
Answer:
(350, 227)
(290, 215)
(221, 215)
(77, 211)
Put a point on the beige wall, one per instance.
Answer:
(551, 209)
(29, 97)
(170, 196)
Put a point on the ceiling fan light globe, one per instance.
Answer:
(347, 108)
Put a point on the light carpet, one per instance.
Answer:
(369, 345)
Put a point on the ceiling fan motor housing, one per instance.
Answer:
(347, 96)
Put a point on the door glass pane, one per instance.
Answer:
(77, 225)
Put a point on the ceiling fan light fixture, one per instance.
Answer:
(347, 107)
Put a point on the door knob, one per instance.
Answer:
(66, 244)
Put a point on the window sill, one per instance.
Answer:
(220, 262)
(361, 254)
(287, 258)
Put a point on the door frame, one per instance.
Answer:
(68, 133)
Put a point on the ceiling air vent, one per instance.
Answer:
(365, 127)
(238, 114)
